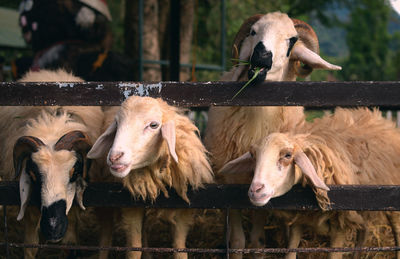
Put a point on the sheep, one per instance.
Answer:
(278, 45)
(45, 147)
(151, 146)
(353, 146)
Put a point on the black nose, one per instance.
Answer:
(261, 57)
(54, 221)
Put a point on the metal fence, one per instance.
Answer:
(310, 94)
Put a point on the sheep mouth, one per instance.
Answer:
(118, 168)
(261, 200)
(262, 74)
(54, 241)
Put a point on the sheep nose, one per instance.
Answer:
(261, 57)
(114, 156)
(257, 187)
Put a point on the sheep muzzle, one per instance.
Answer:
(54, 221)
(262, 59)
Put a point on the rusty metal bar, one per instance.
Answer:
(310, 94)
(367, 197)
(6, 232)
(209, 250)
(227, 232)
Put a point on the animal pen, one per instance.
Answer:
(315, 95)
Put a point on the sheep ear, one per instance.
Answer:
(312, 59)
(308, 169)
(71, 190)
(103, 143)
(24, 193)
(245, 164)
(168, 133)
(80, 189)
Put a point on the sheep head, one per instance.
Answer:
(277, 45)
(135, 139)
(53, 173)
(273, 163)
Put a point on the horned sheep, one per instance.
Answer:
(150, 147)
(277, 45)
(45, 148)
(350, 147)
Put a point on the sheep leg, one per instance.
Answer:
(394, 220)
(337, 236)
(295, 233)
(132, 219)
(105, 219)
(236, 239)
(31, 224)
(257, 235)
(183, 221)
(361, 237)
(70, 236)
(145, 240)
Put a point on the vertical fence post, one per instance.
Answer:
(223, 35)
(140, 36)
(174, 38)
(6, 231)
(227, 232)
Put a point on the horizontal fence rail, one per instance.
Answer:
(310, 94)
(231, 196)
(208, 250)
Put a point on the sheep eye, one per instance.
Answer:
(154, 125)
(252, 32)
(288, 155)
(292, 41)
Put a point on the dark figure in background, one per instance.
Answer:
(71, 34)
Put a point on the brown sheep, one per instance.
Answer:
(350, 147)
(152, 146)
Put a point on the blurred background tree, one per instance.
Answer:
(360, 35)
(368, 41)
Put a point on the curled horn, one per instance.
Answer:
(24, 146)
(242, 34)
(73, 140)
(308, 37)
(77, 141)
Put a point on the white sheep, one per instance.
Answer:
(350, 147)
(45, 147)
(278, 45)
(151, 146)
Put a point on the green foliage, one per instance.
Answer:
(368, 39)
(13, 4)
(117, 25)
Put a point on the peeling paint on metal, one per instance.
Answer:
(139, 89)
(62, 85)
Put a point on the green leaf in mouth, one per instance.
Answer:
(257, 70)
(241, 62)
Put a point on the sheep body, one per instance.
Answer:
(277, 45)
(350, 147)
(48, 124)
(160, 166)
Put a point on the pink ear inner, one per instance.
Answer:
(168, 133)
(308, 169)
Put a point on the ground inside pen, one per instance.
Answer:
(208, 232)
